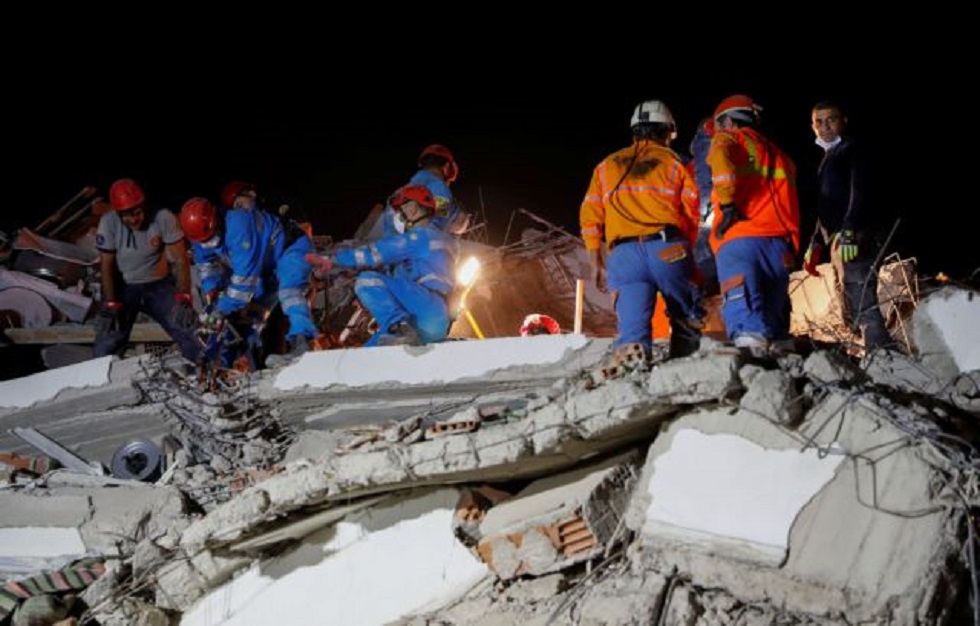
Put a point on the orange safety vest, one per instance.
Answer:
(638, 191)
(752, 172)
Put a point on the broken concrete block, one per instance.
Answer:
(945, 332)
(178, 585)
(827, 366)
(227, 521)
(773, 394)
(557, 521)
(703, 377)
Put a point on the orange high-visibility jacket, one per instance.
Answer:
(638, 191)
(749, 170)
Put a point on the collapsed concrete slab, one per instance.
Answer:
(111, 516)
(372, 568)
(807, 520)
(346, 387)
(73, 405)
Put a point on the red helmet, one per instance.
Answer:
(740, 107)
(539, 324)
(450, 170)
(125, 194)
(198, 219)
(418, 193)
(232, 190)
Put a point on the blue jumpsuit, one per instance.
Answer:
(255, 261)
(412, 283)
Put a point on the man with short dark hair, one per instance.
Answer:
(846, 222)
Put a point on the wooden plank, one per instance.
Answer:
(147, 332)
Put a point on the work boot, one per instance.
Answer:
(400, 334)
(685, 339)
(756, 345)
(297, 347)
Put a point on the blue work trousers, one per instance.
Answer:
(392, 300)
(638, 271)
(293, 276)
(754, 277)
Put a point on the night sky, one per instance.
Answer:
(334, 142)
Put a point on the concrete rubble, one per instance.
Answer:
(539, 480)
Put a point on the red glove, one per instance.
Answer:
(321, 264)
(811, 259)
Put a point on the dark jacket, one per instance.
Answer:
(843, 201)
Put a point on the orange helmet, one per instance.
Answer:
(125, 194)
(449, 169)
(739, 107)
(199, 219)
(418, 193)
(232, 190)
(539, 324)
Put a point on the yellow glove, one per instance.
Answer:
(847, 243)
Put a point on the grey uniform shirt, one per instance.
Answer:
(139, 253)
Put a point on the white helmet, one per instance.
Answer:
(653, 111)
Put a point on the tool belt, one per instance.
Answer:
(667, 233)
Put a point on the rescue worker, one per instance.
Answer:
(145, 248)
(756, 226)
(701, 171)
(407, 278)
(252, 256)
(845, 220)
(644, 203)
(437, 171)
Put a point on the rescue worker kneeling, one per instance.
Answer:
(408, 277)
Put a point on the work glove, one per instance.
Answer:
(210, 322)
(183, 313)
(848, 245)
(321, 264)
(108, 317)
(211, 297)
(729, 215)
(811, 258)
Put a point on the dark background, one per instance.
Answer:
(332, 132)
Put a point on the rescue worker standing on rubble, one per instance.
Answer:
(756, 226)
(846, 222)
(140, 246)
(699, 168)
(264, 254)
(644, 203)
(408, 277)
(437, 171)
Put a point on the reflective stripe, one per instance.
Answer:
(292, 296)
(369, 282)
(245, 281)
(670, 193)
(289, 302)
(592, 229)
(723, 178)
(238, 294)
(361, 256)
(439, 244)
(434, 282)
(593, 198)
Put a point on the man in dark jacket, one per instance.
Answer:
(847, 221)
